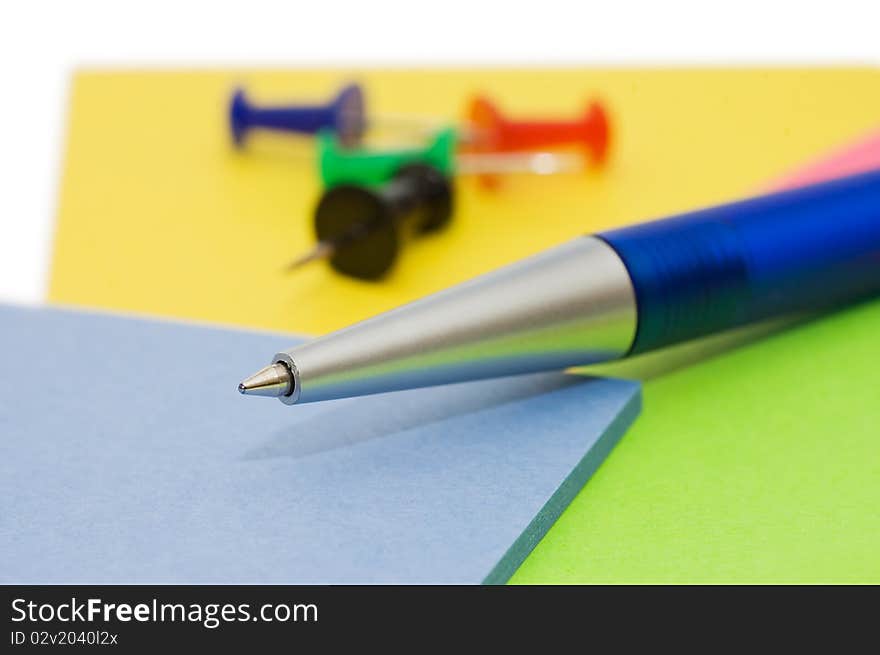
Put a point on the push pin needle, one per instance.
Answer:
(322, 250)
(536, 163)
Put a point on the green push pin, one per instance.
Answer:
(365, 166)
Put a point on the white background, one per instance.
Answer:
(41, 42)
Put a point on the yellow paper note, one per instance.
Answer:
(160, 215)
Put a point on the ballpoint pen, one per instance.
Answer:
(605, 296)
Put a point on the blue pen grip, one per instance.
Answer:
(705, 271)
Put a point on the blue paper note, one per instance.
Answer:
(127, 456)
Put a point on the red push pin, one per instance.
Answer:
(489, 130)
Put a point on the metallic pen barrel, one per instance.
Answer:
(573, 304)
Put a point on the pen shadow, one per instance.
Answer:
(349, 422)
(652, 365)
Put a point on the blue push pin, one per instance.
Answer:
(344, 115)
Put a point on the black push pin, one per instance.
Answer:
(361, 230)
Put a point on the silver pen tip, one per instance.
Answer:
(273, 381)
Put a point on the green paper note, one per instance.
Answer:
(758, 465)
